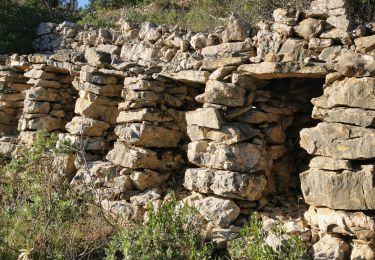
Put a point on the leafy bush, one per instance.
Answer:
(168, 234)
(41, 217)
(252, 245)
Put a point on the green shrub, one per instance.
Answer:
(41, 217)
(168, 234)
(252, 245)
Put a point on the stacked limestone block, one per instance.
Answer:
(49, 102)
(232, 156)
(12, 94)
(340, 179)
(151, 133)
(96, 110)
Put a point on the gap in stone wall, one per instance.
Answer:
(292, 99)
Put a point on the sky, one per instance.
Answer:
(82, 3)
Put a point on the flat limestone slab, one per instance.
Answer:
(339, 141)
(348, 190)
(279, 70)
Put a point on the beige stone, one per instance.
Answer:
(351, 92)
(189, 76)
(142, 158)
(353, 64)
(355, 224)
(309, 28)
(86, 126)
(348, 190)
(237, 29)
(143, 114)
(226, 48)
(365, 44)
(206, 117)
(362, 250)
(213, 64)
(148, 179)
(339, 141)
(225, 183)
(232, 133)
(241, 157)
(90, 109)
(228, 94)
(148, 135)
(337, 34)
(352, 116)
(220, 212)
(327, 163)
(330, 247)
(275, 70)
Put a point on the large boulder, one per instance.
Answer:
(365, 44)
(93, 110)
(277, 70)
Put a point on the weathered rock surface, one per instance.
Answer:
(339, 141)
(225, 183)
(350, 92)
(241, 157)
(330, 247)
(220, 212)
(277, 70)
(224, 94)
(141, 158)
(148, 135)
(206, 117)
(348, 190)
(352, 116)
(356, 224)
(86, 126)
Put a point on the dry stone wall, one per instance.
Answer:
(225, 119)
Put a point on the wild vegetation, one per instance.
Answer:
(167, 234)
(42, 218)
(252, 243)
(19, 18)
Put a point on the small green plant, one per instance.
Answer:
(252, 245)
(40, 217)
(168, 234)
